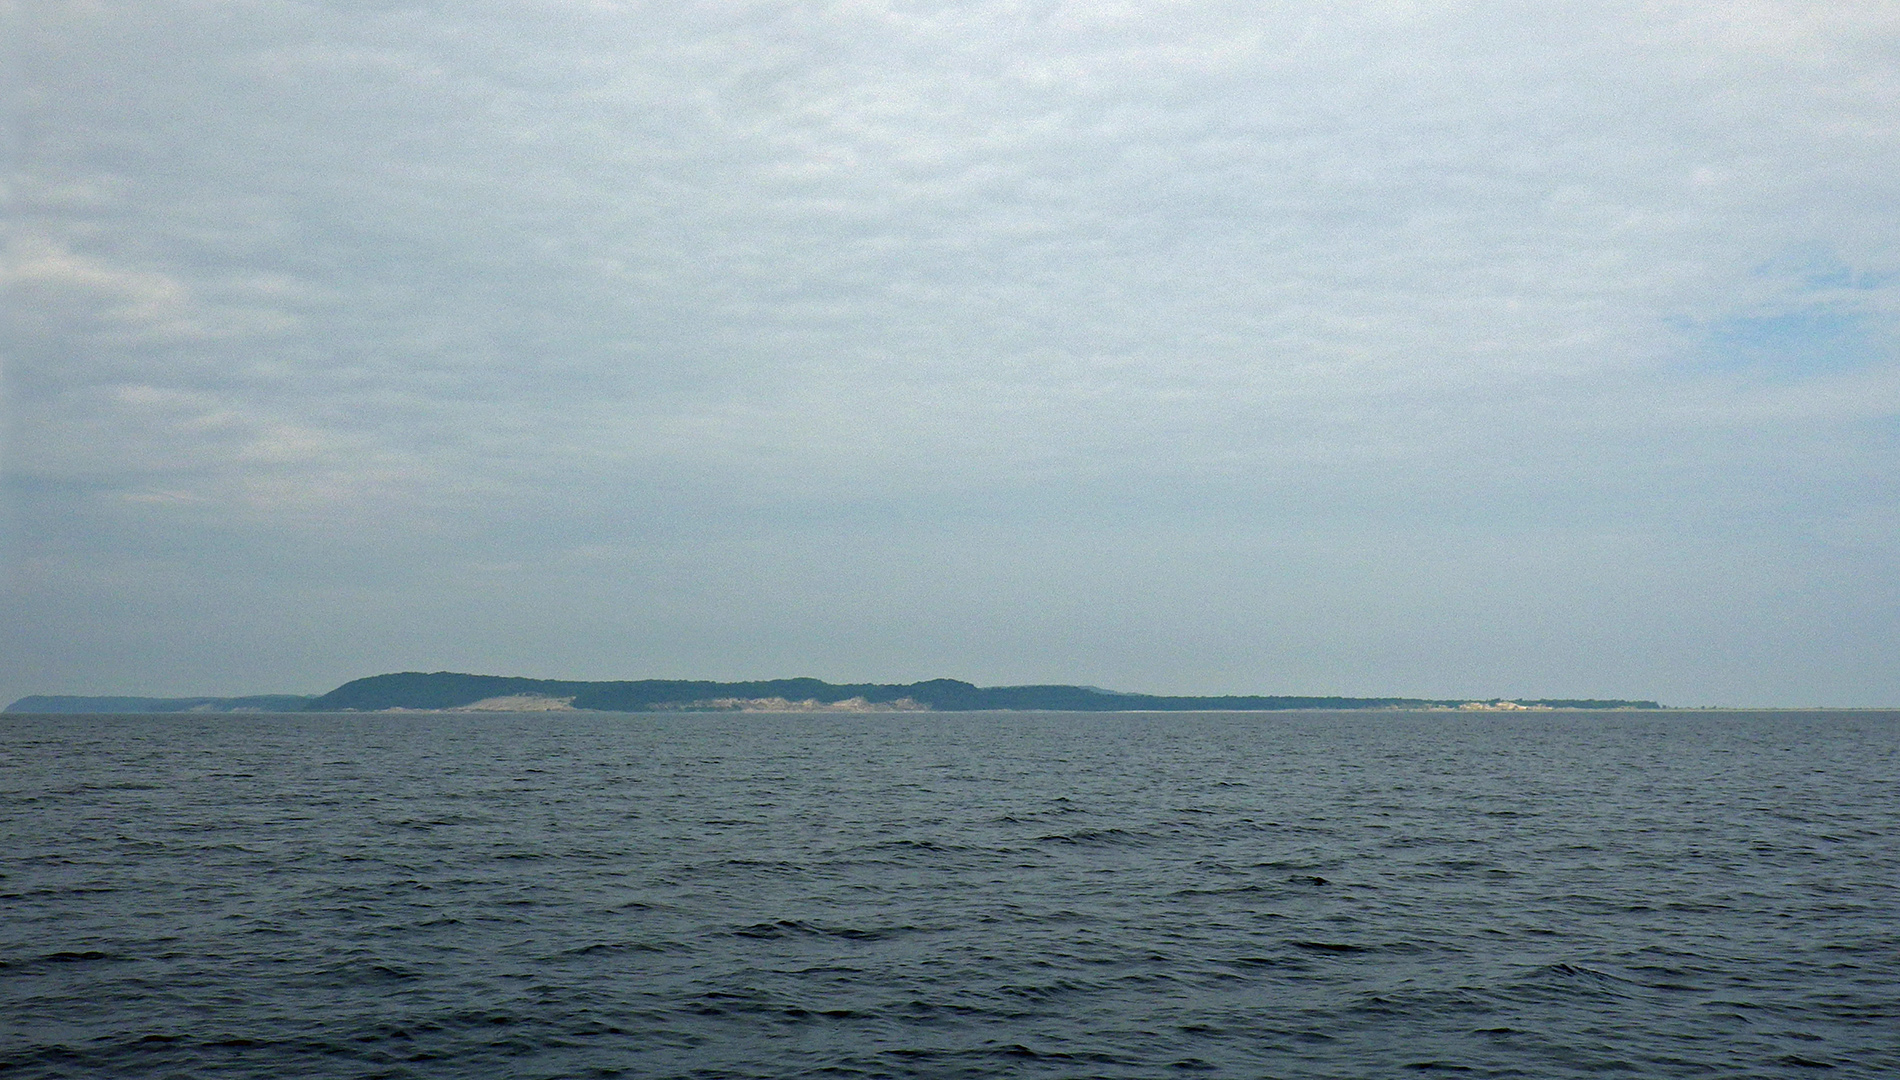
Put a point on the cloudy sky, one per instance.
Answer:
(1428, 348)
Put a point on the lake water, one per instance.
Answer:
(945, 895)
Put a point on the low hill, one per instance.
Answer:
(439, 690)
(455, 690)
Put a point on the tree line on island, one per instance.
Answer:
(448, 690)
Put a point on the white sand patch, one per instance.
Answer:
(519, 703)
(779, 704)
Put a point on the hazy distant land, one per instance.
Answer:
(445, 691)
(66, 703)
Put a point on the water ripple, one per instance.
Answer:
(1008, 896)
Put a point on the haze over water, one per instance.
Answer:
(1311, 895)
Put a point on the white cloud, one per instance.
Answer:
(538, 278)
(55, 291)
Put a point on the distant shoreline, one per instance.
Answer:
(69, 706)
(446, 691)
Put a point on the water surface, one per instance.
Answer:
(946, 895)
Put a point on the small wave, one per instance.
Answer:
(1336, 947)
(1096, 837)
(779, 929)
(62, 892)
(479, 1018)
(600, 948)
(912, 845)
(795, 1013)
(917, 1010)
(1230, 890)
(1023, 1053)
(72, 957)
(1263, 962)
(1046, 991)
(1564, 982)
(1577, 971)
(770, 866)
(64, 956)
(1416, 1003)
(792, 928)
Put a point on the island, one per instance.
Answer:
(449, 691)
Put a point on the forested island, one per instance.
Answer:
(455, 691)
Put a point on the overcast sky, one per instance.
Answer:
(1448, 349)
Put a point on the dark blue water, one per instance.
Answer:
(1292, 895)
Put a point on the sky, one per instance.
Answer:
(1456, 349)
